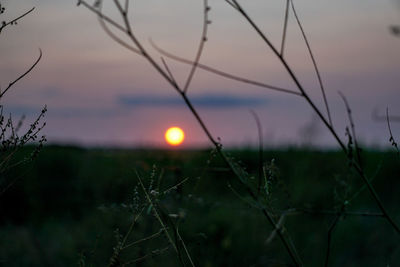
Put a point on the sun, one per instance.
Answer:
(174, 136)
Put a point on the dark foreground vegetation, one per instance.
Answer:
(75, 206)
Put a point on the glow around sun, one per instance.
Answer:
(174, 136)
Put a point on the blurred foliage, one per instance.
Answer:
(68, 207)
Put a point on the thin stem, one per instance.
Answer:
(22, 75)
(376, 197)
(222, 73)
(289, 246)
(176, 185)
(115, 37)
(292, 75)
(200, 121)
(184, 247)
(360, 190)
(285, 23)
(203, 40)
(391, 139)
(273, 233)
(101, 15)
(148, 255)
(145, 54)
(260, 150)
(352, 127)
(231, 4)
(127, 6)
(16, 19)
(143, 239)
(169, 71)
(119, 6)
(156, 214)
(329, 241)
(265, 39)
(314, 63)
(130, 230)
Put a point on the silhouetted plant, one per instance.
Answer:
(392, 141)
(11, 137)
(148, 204)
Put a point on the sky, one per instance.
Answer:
(101, 94)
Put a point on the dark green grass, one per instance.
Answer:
(68, 203)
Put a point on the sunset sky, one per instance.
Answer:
(100, 94)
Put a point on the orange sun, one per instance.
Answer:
(174, 136)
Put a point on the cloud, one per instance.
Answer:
(206, 101)
(53, 111)
(211, 101)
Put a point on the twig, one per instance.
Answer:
(391, 139)
(115, 37)
(119, 6)
(16, 19)
(203, 40)
(231, 4)
(144, 53)
(23, 75)
(222, 73)
(285, 23)
(314, 63)
(169, 72)
(127, 5)
(101, 15)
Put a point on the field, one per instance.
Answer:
(73, 206)
(225, 61)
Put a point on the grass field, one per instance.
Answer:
(71, 205)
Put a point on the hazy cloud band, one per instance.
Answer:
(207, 101)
